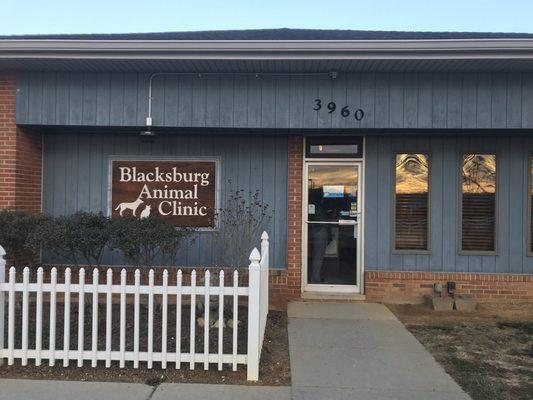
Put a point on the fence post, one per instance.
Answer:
(265, 279)
(2, 303)
(254, 317)
(265, 265)
(264, 248)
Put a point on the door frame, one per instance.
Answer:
(327, 288)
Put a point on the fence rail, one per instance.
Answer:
(211, 297)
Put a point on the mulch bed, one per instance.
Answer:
(489, 353)
(274, 367)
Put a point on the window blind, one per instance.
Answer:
(478, 201)
(411, 202)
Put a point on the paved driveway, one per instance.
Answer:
(360, 351)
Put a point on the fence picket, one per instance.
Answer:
(52, 342)
(81, 315)
(66, 319)
(122, 318)
(193, 319)
(136, 301)
(25, 283)
(150, 318)
(11, 317)
(2, 300)
(207, 319)
(109, 317)
(220, 318)
(178, 318)
(39, 317)
(235, 317)
(164, 322)
(95, 319)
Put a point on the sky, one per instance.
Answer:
(113, 16)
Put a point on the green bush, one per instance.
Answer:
(17, 235)
(80, 236)
(143, 240)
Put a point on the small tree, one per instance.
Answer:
(240, 220)
(80, 236)
(143, 240)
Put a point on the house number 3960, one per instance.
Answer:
(345, 111)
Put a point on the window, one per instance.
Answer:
(478, 203)
(334, 147)
(530, 202)
(411, 202)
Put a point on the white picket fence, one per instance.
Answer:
(256, 291)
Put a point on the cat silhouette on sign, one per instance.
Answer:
(130, 206)
(146, 212)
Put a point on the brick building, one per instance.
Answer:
(392, 160)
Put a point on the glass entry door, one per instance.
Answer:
(333, 226)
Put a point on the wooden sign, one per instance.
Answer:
(182, 192)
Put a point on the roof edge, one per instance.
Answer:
(271, 49)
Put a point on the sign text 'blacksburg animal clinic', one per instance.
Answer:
(180, 192)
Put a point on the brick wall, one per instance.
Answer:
(410, 287)
(20, 156)
(20, 159)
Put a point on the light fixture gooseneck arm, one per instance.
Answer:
(149, 118)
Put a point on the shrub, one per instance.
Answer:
(241, 221)
(84, 236)
(80, 236)
(143, 240)
(17, 235)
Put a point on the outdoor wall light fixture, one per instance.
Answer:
(148, 135)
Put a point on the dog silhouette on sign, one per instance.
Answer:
(146, 212)
(129, 206)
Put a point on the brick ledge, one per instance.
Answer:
(455, 276)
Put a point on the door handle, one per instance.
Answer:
(350, 222)
(347, 222)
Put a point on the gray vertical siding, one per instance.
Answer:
(512, 166)
(75, 165)
(75, 177)
(390, 100)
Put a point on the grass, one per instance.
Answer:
(472, 375)
(488, 353)
(524, 327)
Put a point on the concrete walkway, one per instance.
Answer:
(360, 351)
(338, 351)
(23, 389)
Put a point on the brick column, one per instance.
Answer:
(20, 156)
(285, 285)
(294, 273)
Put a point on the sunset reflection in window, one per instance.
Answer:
(478, 200)
(411, 202)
